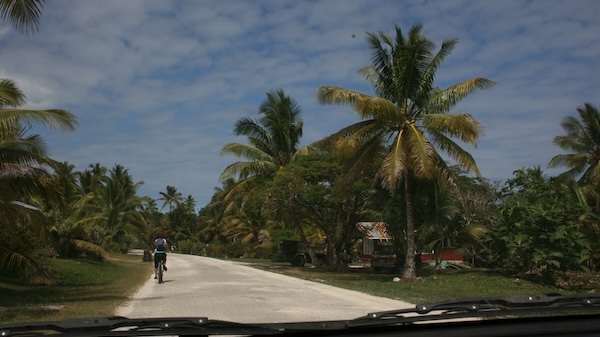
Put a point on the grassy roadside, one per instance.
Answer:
(430, 287)
(85, 288)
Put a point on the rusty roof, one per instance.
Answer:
(375, 230)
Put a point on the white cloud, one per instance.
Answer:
(157, 85)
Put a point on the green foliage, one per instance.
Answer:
(537, 231)
(272, 139)
(408, 119)
(192, 247)
(215, 250)
(22, 252)
(582, 139)
(313, 197)
(24, 176)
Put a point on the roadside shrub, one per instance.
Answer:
(191, 247)
(235, 250)
(262, 251)
(215, 250)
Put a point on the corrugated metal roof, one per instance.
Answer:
(375, 230)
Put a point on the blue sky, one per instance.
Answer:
(157, 85)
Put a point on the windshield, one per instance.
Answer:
(287, 161)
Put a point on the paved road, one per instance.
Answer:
(204, 287)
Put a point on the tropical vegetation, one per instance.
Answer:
(401, 164)
(408, 119)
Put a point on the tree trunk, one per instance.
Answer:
(409, 263)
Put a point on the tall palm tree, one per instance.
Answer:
(70, 236)
(24, 15)
(582, 139)
(116, 209)
(273, 138)
(170, 197)
(22, 167)
(189, 204)
(273, 141)
(408, 119)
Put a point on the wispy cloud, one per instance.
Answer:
(158, 85)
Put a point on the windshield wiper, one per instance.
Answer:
(122, 326)
(485, 307)
(200, 326)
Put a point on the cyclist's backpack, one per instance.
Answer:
(160, 245)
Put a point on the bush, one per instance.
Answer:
(235, 250)
(262, 251)
(191, 247)
(215, 250)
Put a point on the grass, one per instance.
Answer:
(431, 286)
(85, 288)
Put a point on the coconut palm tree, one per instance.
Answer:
(70, 236)
(273, 138)
(408, 119)
(582, 139)
(119, 208)
(24, 15)
(273, 141)
(170, 197)
(23, 170)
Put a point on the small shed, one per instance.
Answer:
(373, 232)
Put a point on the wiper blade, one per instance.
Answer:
(484, 307)
(168, 326)
(182, 326)
(536, 301)
(122, 326)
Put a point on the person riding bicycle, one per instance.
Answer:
(160, 253)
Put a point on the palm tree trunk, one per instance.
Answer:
(409, 263)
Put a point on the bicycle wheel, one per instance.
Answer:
(160, 272)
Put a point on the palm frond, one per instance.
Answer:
(462, 126)
(419, 152)
(394, 164)
(569, 143)
(25, 268)
(54, 118)
(378, 108)
(358, 156)
(575, 161)
(23, 14)
(338, 96)
(444, 100)
(90, 248)
(247, 169)
(448, 146)
(245, 151)
(10, 94)
(370, 74)
(435, 62)
(582, 139)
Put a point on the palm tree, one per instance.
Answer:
(583, 140)
(24, 15)
(120, 208)
(23, 176)
(113, 213)
(170, 197)
(213, 214)
(273, 142)
(273, 138)
(190, 204)
(70, 236)
(408, 119)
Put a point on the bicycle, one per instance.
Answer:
(161, 270)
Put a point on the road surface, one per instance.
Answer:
(204, 287)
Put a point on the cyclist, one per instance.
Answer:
(160, 253)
